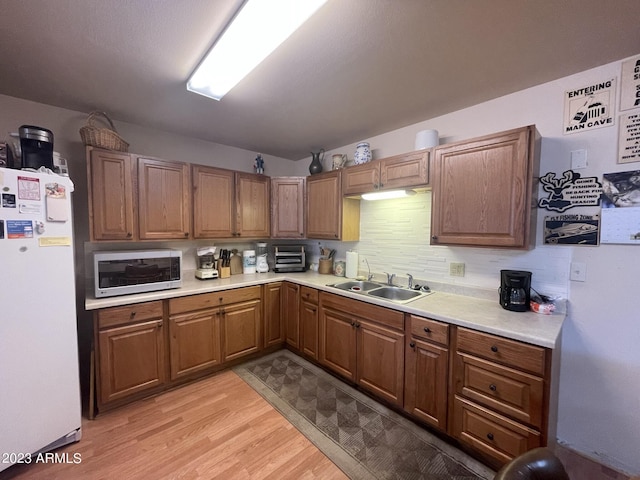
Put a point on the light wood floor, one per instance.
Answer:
(216, 428)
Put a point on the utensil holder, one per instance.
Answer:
(224, 272)
(325, 265)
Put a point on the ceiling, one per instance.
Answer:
(356, 69)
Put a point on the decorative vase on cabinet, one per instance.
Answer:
(363, 153)
(316, 162)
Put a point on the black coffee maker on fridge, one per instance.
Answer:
(515, 288)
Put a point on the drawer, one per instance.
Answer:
(490, 433)
(502, 350)
(109, 317)
(431, 330)
(309, 294)
(356, 308)
(213, 299)
(511, 392)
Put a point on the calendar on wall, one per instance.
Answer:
(620, 219)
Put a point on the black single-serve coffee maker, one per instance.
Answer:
(515, 288)
(36, 144)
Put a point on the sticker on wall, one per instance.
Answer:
(570, 190)
(589, 107)
(630, 84)
(8, 200)
(629, 138)
(571, 230)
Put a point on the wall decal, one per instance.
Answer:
(571, 230)
(630, 84)
(589, 107)
(629, 138)
(568, 191)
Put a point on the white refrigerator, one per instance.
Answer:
(39, 380)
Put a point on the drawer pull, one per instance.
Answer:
(490, 436)
(494, 348)
(133, 314)
(412, 344)
(427, 330)
(493, 388)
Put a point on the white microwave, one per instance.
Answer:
(136, 271)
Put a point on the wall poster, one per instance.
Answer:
(589, 107)
(629, 138)
(630, 84)
(571, 230)
(570, 190)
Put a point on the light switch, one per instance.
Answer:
(578, 272)
(578, 159)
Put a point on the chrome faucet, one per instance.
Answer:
(410, 284)
(370, 276)
(390, 277)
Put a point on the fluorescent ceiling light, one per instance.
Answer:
(256, 31)
(388, 194)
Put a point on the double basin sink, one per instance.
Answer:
(386, 292)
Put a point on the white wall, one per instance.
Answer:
(599, 405)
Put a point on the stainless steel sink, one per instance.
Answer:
(355, 286)
(386, 292)
(395, 294)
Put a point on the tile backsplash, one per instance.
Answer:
(394, 237)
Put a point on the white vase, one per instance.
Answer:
(363, 153)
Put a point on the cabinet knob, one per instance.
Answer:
(223, 312)
(357, 325)
(493, 388)
(353, 324)
(412, 344)
(494, 349)
(129, 235)
(132, 315)
(335, 235)
(490, 436)
(159, 324)
(381, 185)
(434, 237)
(186, 234)
(427, 330)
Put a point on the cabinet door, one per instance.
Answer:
(405, 171)
(131, 359)
(242, 327)
(324, 211)
(361, 178)
(213, 202)
(273, 324)
(195, 342)
(252, 205)
(287, 207)
(291, 313)
(338, 342)
(426, 382)
(482, 191)
(381, 361)
(309, 327)
(164, 197)
(111, 206)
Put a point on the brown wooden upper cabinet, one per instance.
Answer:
(229, 204)
(401, 171)
(329, 215)
(287, 207)
(483, 190)
(111, 176)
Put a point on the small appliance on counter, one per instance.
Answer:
(289, 258)
(262, 266)
(514, 291)
(206, 263)
(36, 144)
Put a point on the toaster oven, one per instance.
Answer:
(136, 271)
(289, 258)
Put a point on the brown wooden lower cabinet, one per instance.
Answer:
(130, 342)
(491, 393)
(309, 322)
(364, 343)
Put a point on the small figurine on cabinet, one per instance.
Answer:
(258, 165)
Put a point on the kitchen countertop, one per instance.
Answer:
(478, 314)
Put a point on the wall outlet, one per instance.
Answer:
(578, 272)
(456, 269)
